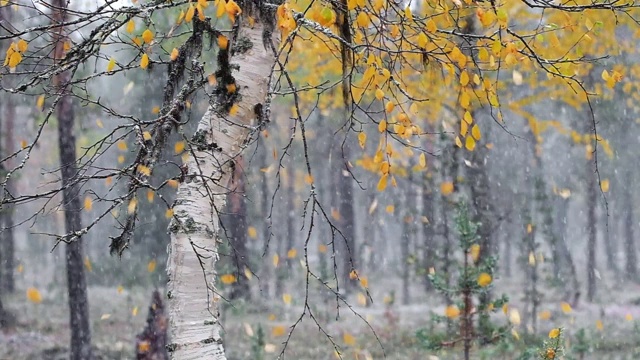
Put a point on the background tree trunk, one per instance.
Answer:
(236, 220)
(631, 257)
(76, 282)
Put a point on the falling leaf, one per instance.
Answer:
(515, 334)
(292, 253)
(474, 251)
(122, 146)
(322, 248)
(120, 159)
(105, 316)
(514, 317)
(470, 143)
(554, 333)
(382, 183)
(545, 315)
(40, 102)
(566, 308)
(452, 312)
(276, 260)
(362, 299)
(120, 289)
(348, 339)
(286, 298)
(87, 264)
(111, 64)
(599, 325)
(446, 188)
(168, 214)
(252, 232)
(532, 259)
(247, 273)
(604, 185)
(178, 148)
(628, 317)
(134, 311)
(390, 209)
(131, 208)
(228, 279)
(475, 132)
(146, 136)
(173, 183)
(484, 279)
(278, 330)
(269, 348)
(34, 295)
(151, 266)
(88, 203)
(353, 274)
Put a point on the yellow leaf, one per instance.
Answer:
(131, 26)
(252, 232)
(120, 159)
(452, 312)
(147, 36)
(190, 12)
(382, 126)
(379, 94)
(599, 325)
(322, 248)
(458, 142)
(180, 17)
(484, 279)
(144, 61)
(431, 26)
(122, 146)
(247, 273)
(292, 253)
(390, 209)
(348, 339)
(475, 252)
(532, 259)
(40, 102)
(87, 264)
(15, 59)
(464, 127)
(464, 78)
(364, 281)
(276, 260)
(362, 138)
(446, 188)
(628, 317)
(232, 10)
(120, 289)
(470, 143)
(151, 266)
(144, 170)
(131, 208)
(389, 107)
(88, 203)
(178, 148)
(422, 160)
(231, 88)
(604, 185)
(174, 54)
(475, 132)
(33, 295)
(278, 330)
(408, 14)
(382, 183)
(286, 298)
(173, 183)
(111, 64)
(529, 228)
(155, 110)
(363, 19)
(22, 45)
(514, 317)
(545, 315)
(515, 334)
(308, 179)
(223, 42)
(362, 299)
(228, 279)
(136, 40)
(234, 109)
(554, 333)
(566, 307)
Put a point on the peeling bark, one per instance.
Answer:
(220, 137)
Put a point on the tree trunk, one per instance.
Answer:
(344, 195)
(76, 282)
(265, 229)
(237, 228)
(151, 344)
(7, 241)
(193, 303)
(428, 231)
(631, 267)
(591, 204)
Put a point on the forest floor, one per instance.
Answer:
(42, 330)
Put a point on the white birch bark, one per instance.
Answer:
(193, 303)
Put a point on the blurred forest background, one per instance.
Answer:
(564, 240)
